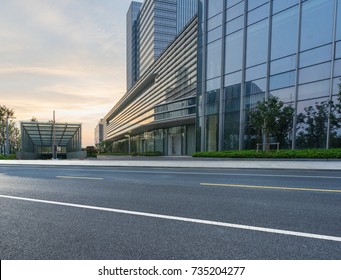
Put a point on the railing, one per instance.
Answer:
(267, 146)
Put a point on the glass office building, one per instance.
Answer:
(158, 113)
(186, 10)
(132, 44)
(157, 28)
(250, 50)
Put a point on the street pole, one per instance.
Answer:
(54, 148)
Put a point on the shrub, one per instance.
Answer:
(309, 153)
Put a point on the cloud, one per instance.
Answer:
(65, 55)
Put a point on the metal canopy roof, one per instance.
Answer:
(41, 134)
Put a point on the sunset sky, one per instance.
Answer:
(62, 55)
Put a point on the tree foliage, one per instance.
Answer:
(314, 121)
(272, 119)
(13, 131)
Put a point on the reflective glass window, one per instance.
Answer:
(256, 72)
(283, 65)
(311, 131)
(233, 52)
(254, 87)
(233, 78)
(314, 73)
(286, 95)
(317, 23)
(212, 133)
(337, 68)
(235, 11)
(230, 3)
(282, 80)
(213, 84)
(254, 92)
(255, 3)
(336, 87)
(280, 5)
(232, 117)
(214, 7)
(213, 59)
(338, 50)
(214, 22)
(214, 34)
(257, 43)
(315, 56)
(284, 33)
(313, 90)
(234, 25)
(258, 14)
(338, 22)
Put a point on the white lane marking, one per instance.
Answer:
(181, 219)
(270, 187)
(81, 178)
(161, 171)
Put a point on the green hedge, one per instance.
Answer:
(9, 157)
(311, 153)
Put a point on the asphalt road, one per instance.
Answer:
(100, 213)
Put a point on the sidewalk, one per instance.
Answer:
(186, 162)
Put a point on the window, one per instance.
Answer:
(214, 22)
(233, 52)
(256, 72)
(214, 7)
(283, 65)
(280, 5)
(256, 3)
(213, 59)
(234, 25)
(257, 43)
(233, 78)
(284, 33)
(282, 80)
(337, 68)
(314, 73)
(258, 14)
(315, 56)
(230, 3)
(286, 95)
(235, 11)
(313, 90)
(317, 23)
(338, 50)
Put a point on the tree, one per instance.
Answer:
(313, 124)
(271, 119)
(34, 119)
(5, 115)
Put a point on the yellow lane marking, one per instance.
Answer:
(269, 187)
(82, 178)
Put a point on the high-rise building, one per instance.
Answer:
(157, 22)
(151, 27)
(132, 44)
(252, 50)
(186, 10)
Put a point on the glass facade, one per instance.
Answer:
(186, 10)
(158, 112)
(157, 28)
(249, 50)
(132, 44)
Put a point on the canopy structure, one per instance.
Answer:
(40, 138)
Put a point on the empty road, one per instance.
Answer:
(127, 213)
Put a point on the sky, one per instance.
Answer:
(63, 55)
